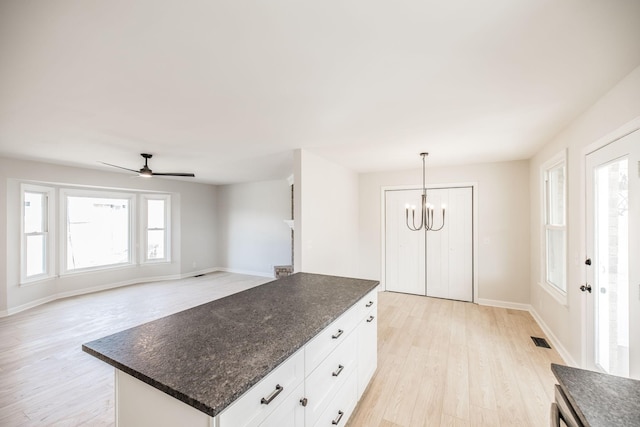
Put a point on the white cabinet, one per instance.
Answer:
(263, 398)
(290, 413)
(323, 383)
(319, 385)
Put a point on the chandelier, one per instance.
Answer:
(426, 216)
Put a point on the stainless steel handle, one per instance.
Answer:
(337, 335)
(370, 304)
(337, 372)
(370, 319)
(338, 418)
(273, 395)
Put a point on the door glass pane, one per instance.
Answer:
(611, 287)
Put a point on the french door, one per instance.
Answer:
(434, 263)
(613, 257)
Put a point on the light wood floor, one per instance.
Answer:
(449, 363)
(439, 362)
(45, 377)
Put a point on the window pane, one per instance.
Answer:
(97, 232)
(155, 244)
(35, 255)
(556, 198)
(556, 258)
(33, 212)
(155, 214)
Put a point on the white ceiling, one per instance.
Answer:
(226, 89)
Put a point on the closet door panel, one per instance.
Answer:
(404, 249)
(461, 245)
(449, 268)
(437, 266)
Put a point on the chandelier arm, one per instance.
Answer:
(442, 226)
(412, 226)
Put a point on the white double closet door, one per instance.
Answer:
(432, 263)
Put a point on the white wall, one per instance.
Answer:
(326, 216)
(615, 114)
(193, 221)
(253, 236)
(503, 220)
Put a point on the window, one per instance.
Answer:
(555, 229)
(36, 253)
(98, 229)
(156, 210)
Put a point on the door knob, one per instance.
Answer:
(586, 288)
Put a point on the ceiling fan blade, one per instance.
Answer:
(174, 174)
(120, 167)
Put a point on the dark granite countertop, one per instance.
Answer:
(209, 355)
(600, 399)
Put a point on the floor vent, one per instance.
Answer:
(540, 342)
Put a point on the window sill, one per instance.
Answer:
(35, 281)
(91, 270)
(155, 262)
(558, 295)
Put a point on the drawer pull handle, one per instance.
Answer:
(337, 372)
(273, 395)
(370, 304)
(370, 319)
(336, 336)
(338, 418)
(304, 401)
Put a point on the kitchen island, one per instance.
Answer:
(594, 399)
(296, 349)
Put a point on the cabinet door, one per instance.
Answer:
(290, 413)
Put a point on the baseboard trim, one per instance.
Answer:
(554, 340)
(246, 272)
(67, 294)
(504, 304)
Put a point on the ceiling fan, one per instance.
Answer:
(146, 172)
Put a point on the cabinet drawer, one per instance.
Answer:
(367, 304)
(264, 397)
(327, 379)
(290, 413)
(367, 350)
(340, 408)
(329, 338)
